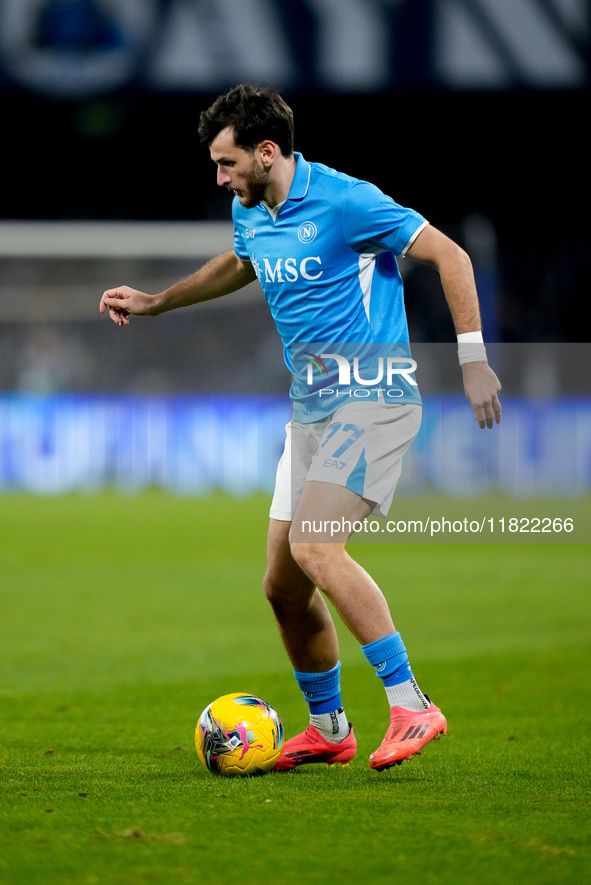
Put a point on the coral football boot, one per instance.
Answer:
(407, 735)
(310, 747)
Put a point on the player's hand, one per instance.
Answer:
(482, 388)
(123, 301)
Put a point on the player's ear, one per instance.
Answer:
(268, 152)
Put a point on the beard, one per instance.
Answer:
(255, 188)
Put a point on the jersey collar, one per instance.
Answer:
(301, 179)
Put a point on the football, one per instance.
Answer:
(239, 735)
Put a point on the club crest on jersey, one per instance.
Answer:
(307, 232)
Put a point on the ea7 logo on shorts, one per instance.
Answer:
(307, 232)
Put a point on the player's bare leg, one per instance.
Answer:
(414, 721)
(305, 624)
(322, 555)
(310, 639)
(293, 573)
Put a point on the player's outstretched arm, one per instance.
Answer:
(481, 385)
(218, 277)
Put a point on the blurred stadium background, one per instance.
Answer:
(474, 112)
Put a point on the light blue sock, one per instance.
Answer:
(322, 691)
(389, 658)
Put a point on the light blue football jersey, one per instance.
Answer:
(327, 266)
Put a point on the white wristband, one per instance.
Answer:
(470, 338)
(471, 348)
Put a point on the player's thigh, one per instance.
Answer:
(327, 512)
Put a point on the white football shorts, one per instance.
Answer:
(360, 446)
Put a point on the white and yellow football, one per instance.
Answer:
(239, 735)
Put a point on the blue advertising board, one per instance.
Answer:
(193, 446)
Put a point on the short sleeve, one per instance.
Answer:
(374, 222)
(239, 244)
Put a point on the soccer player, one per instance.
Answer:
(324, 247)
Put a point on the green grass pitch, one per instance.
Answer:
(122, 618)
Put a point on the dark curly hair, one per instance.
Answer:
(256, 114)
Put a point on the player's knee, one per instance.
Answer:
(314, 559)
(277, 588)
(287, 595)
(271, 585)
